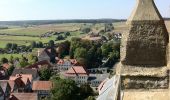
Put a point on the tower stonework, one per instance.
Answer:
(144, 49)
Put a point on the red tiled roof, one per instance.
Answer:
(61, 61)
(24, 78)
(42, 85)
(6, 66)
(23, 96)
(77, 70)
(12, 84)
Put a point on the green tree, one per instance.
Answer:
(45, 73)
(23, 62)
(11, 59)
(10, 70)
(80, 53)
(4, 60)
(91, 98)
(8, 46)
(59, 37)
(51, 43)
(33, 44)
(14, 46)
(85, 91)
(40, 44)
(65, 89)
(67, 33)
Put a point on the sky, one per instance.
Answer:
(71, 9)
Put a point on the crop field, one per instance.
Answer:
(41, 29)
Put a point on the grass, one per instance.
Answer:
(21, 40)
(9, 55)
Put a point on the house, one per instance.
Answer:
(32, 72)
(3, 73)
(96, 79)
(5, 90)
(40, 64)
(23, 82)
(77, 73)
(23, 96)
(98, 70)
(48, 54)
(64, 64)
(6, 66)
(12, 85)
(42, 88)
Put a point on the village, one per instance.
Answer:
(33, 81)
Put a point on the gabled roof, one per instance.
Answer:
(4, 85)
(33, 72)
(77, 70)
(11, 84)
(23, 96)
(62, 61)
(41, 63)
(21, 80)
(44, 54)
(42, 85)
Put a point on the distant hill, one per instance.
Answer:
(42, 22)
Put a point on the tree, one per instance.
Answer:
(8, 46)
(11, 59)
(91, 98)
(10, 70)
(65, 89)
(40, 44)
(59, 37)
(67, 33)
(63, 49)
(24, 62)
(86, 30)
(45, 73)
(14, 46)
(85, 90)
(51, 43)
(80, 53)
(4, 60)
(33, 44)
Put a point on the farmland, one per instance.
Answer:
(25, 35)
(28, 34)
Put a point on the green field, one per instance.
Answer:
(9, 55)
(41, 29)
(38, 30)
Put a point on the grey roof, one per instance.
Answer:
(4, 85)
(98, 77)
(110, 89)
(33, 72)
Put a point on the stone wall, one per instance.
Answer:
(145, 44)
(139, 82)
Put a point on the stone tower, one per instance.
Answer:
(144, 49)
